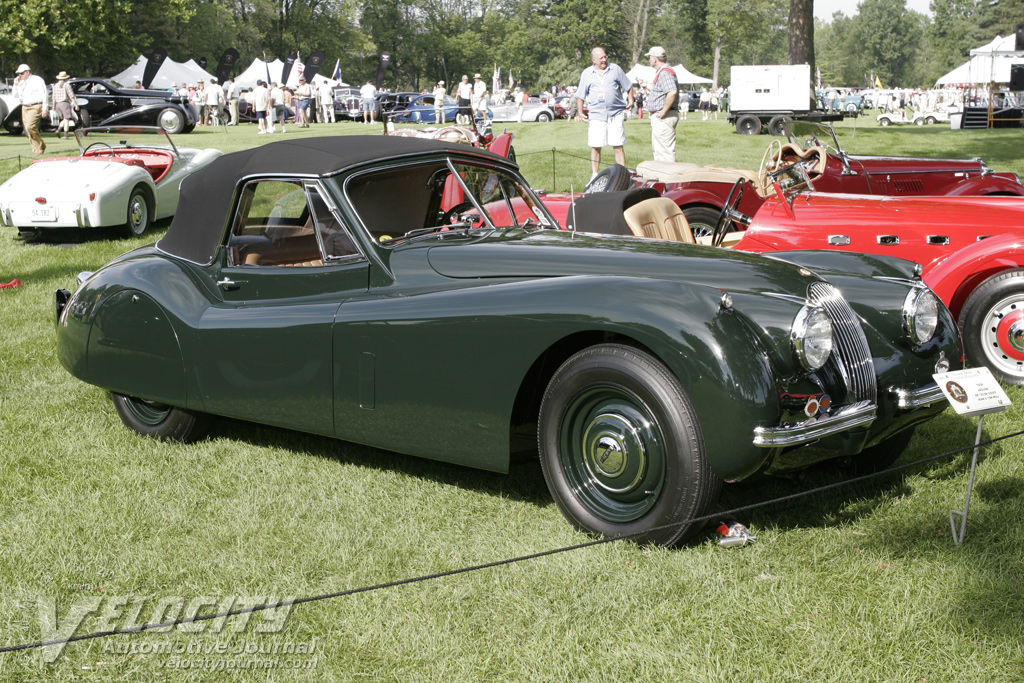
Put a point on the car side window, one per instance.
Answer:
(274, 226)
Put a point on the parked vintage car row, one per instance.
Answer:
(293, 289)
(102, 103)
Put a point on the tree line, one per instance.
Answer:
(541, 42)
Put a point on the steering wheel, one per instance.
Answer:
(769, 162)
(98, 144)
(730, 213)
(443, 134)
(458, 208)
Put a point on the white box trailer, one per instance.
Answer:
(766, 96)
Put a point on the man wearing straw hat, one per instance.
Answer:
(63, 101)
(439, 95)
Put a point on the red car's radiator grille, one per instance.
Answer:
(850, 349)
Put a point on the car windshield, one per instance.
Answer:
(809, 134)
(100, 141)
(401, 202)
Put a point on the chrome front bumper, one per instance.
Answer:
(813, 429)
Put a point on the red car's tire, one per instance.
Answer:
(992, 324)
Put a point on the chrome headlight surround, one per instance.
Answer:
(811, 336)
(920, 315)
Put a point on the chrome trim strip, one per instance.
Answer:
(915, 398)
(848, 417)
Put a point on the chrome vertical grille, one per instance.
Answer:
(850, 349)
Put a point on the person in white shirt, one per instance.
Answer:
(276, 110)
(31, 90)
(231, 92)
(465, 115)
(439, 95)
(479, 96)
(368, 104)
(325, 93)
(214, 102)
(260, 104)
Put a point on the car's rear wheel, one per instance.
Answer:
(931, 120)
(851, 107)
(621, 448)
(615, 178)
(158, 420)
(85, 117)
(748, 125)
(702, 220)
(919, 122)
(139, 214)
(992, 324)
(172, 120)
(884, 121)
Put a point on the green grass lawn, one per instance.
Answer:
(862, 584)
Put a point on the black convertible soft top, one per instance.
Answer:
(206, 195)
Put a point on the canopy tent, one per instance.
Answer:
(646, 74)
(170, 72)
(684, 75)
(272, 71)
(988, 63)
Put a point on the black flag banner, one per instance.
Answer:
(227, 64)
(313, 64)
(382, 66)
(156, 60)
(286, 70)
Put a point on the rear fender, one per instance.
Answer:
(954, 278)
(992, 183)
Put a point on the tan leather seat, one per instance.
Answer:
(293, 251)
(659, 218)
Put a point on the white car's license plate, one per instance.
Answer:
(43, 213)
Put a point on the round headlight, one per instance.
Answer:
(920, 315)
(812, 337)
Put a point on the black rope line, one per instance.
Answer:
(499, 563)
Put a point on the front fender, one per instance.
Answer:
(955, 277)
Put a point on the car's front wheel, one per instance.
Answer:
(621, 448)
(172, 120)
(992, 323)
(543, 117)
(139, 215)
(158, 420)
(884, 122)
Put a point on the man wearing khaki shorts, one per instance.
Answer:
(608, 94)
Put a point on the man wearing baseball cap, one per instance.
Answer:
(663, 105)
(31, 90)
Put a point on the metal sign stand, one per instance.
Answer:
(971, 393)
(958, 538)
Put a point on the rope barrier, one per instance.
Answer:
(498, 563)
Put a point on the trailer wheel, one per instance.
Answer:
(777, 126)
(748, 125)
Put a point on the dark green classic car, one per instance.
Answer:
(416, 296)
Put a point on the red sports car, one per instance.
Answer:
(701, 190)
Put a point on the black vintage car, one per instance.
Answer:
(102, 103)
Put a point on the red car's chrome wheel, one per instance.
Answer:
(992, 322)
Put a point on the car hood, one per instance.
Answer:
(557, 253)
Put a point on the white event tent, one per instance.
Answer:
(170, 72)
(272, 71)
(639, 72)
(988, 63)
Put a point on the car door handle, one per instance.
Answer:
(227, 284)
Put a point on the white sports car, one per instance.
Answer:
(124, 176)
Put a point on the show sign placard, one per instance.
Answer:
(972, 392)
